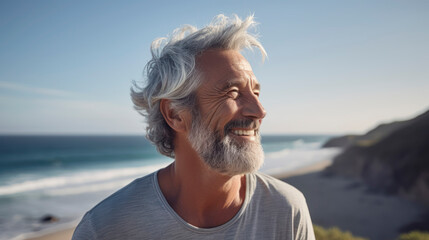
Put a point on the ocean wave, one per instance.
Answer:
(288, 160)
(89, 188)
(278, 154)
(298, 146)
(77, 179)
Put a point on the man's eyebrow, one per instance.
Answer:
(236, 82)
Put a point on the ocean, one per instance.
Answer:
(65, 176)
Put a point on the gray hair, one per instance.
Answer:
(171, 73)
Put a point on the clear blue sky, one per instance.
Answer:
(333, 66)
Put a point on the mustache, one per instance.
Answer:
(242, 123)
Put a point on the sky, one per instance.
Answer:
(333, 67)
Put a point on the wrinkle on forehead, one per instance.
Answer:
(224, 66)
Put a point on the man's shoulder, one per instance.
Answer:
(278, 190)
(121, 212)
(282, 202)
(127, 196)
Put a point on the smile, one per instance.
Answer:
(244, 132)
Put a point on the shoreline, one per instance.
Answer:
(332, 201)
(64, 234)
(315, 167)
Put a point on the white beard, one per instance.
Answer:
(225, 155)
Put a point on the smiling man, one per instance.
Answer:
(201, 101)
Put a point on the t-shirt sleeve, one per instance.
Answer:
(304, 227)
(85, 229)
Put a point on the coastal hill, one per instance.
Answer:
(392, 158)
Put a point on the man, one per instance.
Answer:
(202, 108)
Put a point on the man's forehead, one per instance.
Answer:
(222, 58)
(225, 66)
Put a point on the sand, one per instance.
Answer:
(65, 234)
(347, 204)
(334, 201)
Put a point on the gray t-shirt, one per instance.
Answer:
(272, 209)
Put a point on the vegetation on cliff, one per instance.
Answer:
(335, 233)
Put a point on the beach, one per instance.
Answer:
(335, 201)
(350, 206)
(65, 234)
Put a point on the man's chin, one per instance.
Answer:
(230, 154)
(246, 157)
(237, 165)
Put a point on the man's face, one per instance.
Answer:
(225, 127)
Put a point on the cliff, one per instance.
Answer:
(370, 138)
(391, 158)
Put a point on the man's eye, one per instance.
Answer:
(256, 93)
(233, 94)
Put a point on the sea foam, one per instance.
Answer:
(291, 159)
(76, 181)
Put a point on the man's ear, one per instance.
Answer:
(173, 118)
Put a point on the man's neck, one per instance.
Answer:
(201, 196)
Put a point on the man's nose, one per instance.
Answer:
(253, 108)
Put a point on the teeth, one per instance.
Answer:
(244, 132)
